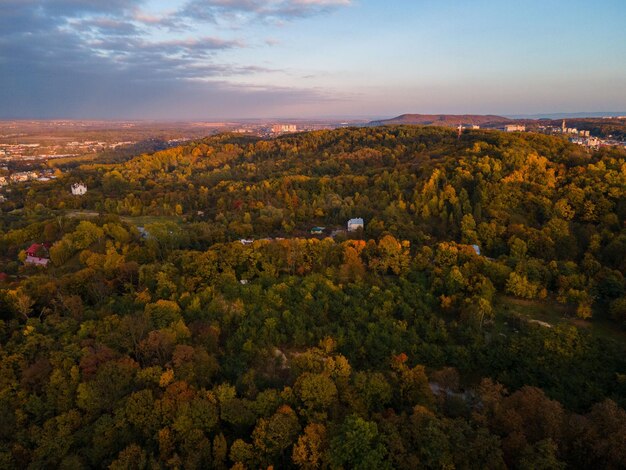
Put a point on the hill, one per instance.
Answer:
(189, 318)
(447, 120)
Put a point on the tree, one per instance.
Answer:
(353, 268)
(412, 383)
(607, 434)
(242, 452)
(390, 256)
(618, 310)
(310, 452)
(429, 439)
(22, 303)
(163, 313)
(520, 286)
(85, 234)
(273, 436)
(468, 229)
(374, 390)
(131, 458)
(317, 393)
(358, 445)
(527, 417)
(541, 456)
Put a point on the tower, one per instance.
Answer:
(563, 127)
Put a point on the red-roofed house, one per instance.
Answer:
(38, 254)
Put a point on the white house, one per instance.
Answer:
(78, 189)
(355, 224)
(36, 261)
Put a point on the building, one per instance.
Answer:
(38, 254)
(78, 189)
(283, 128)
(317, 230)
(594, 142)
(515, 128)
(143, 233)
(355, 224)
(21, 177)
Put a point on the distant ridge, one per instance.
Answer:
(447, 120)
(582, 115)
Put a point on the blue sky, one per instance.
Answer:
(221, 59)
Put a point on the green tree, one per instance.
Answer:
(358, 445)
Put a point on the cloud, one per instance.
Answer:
(90, 35)
(201, 45)
(121, 95)
(169, 20)
(68, 8)
(106, 26)
(214, 10)
(106, 59)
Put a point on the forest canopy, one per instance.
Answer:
(187, 316)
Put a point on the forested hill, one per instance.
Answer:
(189, 318)
(450, 120)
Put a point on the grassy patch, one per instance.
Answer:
(142, 220)
(74, 160)
(553, 313)
(139, 220)
(82, 214)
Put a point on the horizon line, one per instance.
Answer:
(362, 117)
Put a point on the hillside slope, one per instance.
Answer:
(463, 327)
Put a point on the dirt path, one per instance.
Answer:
(75, 214)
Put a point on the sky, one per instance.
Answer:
(235, 59)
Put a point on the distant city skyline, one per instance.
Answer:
(236, 59)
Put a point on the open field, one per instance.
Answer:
(139, 220)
